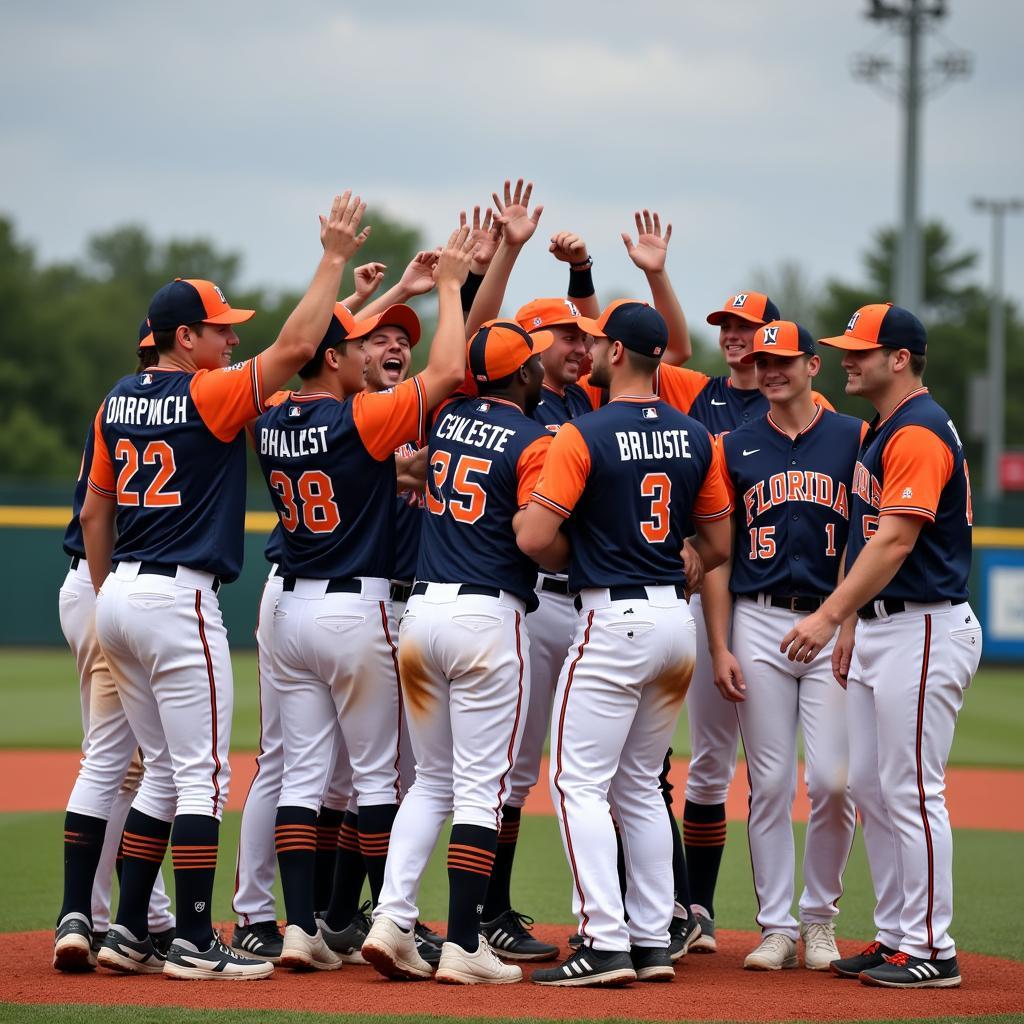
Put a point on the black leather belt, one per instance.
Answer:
(893, 606)
(337, 585)
(790, 602)
(554, 586)
(634, 593)
(75, 562)
(401, 591)
(466, 588)
(168, 569)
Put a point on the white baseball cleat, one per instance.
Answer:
(819, 945)
(303, 952)
(776, 952)
(392, 952)
(458, 966)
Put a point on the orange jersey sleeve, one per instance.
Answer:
(594, 393)
(529, 466)
(101, 472)
(821, 400)
(714, 499)
(228, 399)
(679, 386)
(916, 465)
(565, 472)
(387, 419)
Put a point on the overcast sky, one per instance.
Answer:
(740, 121)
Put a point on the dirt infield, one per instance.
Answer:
(40, 780)
(708, 987)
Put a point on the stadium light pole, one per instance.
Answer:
(996, 432)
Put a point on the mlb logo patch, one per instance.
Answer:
(483, 407)
(294, 410)
(650, 413)
(147, 378)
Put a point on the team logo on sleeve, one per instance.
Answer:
(908, 492)
(650, 413)
(740, 301)
(771, 336)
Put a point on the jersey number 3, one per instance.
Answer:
(657, 487)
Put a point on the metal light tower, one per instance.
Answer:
(911, 18)
(996, 432)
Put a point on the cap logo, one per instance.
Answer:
(853, 321)
(537, 321)
(771, 336)
(740, 301)
(572, 308)
(220, 294)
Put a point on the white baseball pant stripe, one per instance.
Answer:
(111, 768)
(714, 734)
(466, 680)
(335, 661)
(907, 683)
(551, 626)
(256, 867)
(407, 756)
(167, 647)
(616, 705)
(783, 696)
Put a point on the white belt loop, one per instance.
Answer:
(662, 596)
(595, 597)
(195, 578)
(441, 593)
(127, 570)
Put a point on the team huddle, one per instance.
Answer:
(554, 531)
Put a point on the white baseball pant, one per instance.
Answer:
(783, 696)
(616, 705)
(466, 680)
(906, 687)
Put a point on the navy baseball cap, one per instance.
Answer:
(636, 325)
(192, 301)
(882, 325)
(500, 347)
(754, 307)
(784, 338)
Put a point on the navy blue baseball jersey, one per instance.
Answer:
(485, 456)
(170, 450)
(912, 463)
(629, 478)
(792, 498)
(330, 467)
(556, 408)
(74, 545)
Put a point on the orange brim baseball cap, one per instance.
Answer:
(146, 335)
(398, 315)
(500, 347)
(754, 307)
(344, 326)
(636, 325)
(191, 301)
(548, 313)
(784, 338)
(881, 325)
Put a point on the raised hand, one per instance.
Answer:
(418, 276)
(453, 262)
(368, 279)
(517, 223)
(339, 231)
(651, 245)
(485, 235)
(568, 248)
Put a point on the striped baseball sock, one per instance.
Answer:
(704, 831)
(328, 824)
(374, 836)
(499, 891)
(144, 842)
(470, 860)
(194, 839)
(295, 839)
(349, 875)
(83, 843)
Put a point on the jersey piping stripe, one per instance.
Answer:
(750, 800)
(421, 410)
(714, 515)
(213, 701)
(920, 781)
(100, 490)
(398, 686)
(257, 391)
(895, 409)
(818, 412)
(584, 916)
(915, 510)
(515, 728)
(548, 503)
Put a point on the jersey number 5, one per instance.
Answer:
(316, 493)
(468, 499)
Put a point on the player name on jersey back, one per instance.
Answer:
(139, 411)
(473, 432)
(292, 444)
(653, 446)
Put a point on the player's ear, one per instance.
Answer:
(183, 336)
(813, 365)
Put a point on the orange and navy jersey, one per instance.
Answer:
(170, 450)
(912, 464)
(558, 407)
(792, 498)
(485, 458)
(330, 467)
(74, 545)
(630, 478)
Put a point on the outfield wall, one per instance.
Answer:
(35, 565)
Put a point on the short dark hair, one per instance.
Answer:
(164, 339)
(642, 364)
(316, 364)
(918, 362)
(148, 357)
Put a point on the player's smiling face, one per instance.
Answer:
(867, 372)
(781, 378)
(600, 372)
(388, 355)
(736, 338)
(563, 359)
(213, 348)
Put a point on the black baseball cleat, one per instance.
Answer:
(347, 941)
(162, 940)
(121, 951)
(575, 940)
(652, 963)
(901, 970)
(872, 955)
(683, 932)
(589, 966)
(262, 940)
(509, 936)
(428, 944)
(72, 944)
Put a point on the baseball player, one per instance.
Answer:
(790, 473)
(176, 434)
(329, 462)
(630, 478)
(464, 655)
(918, 644)
(110, 776)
